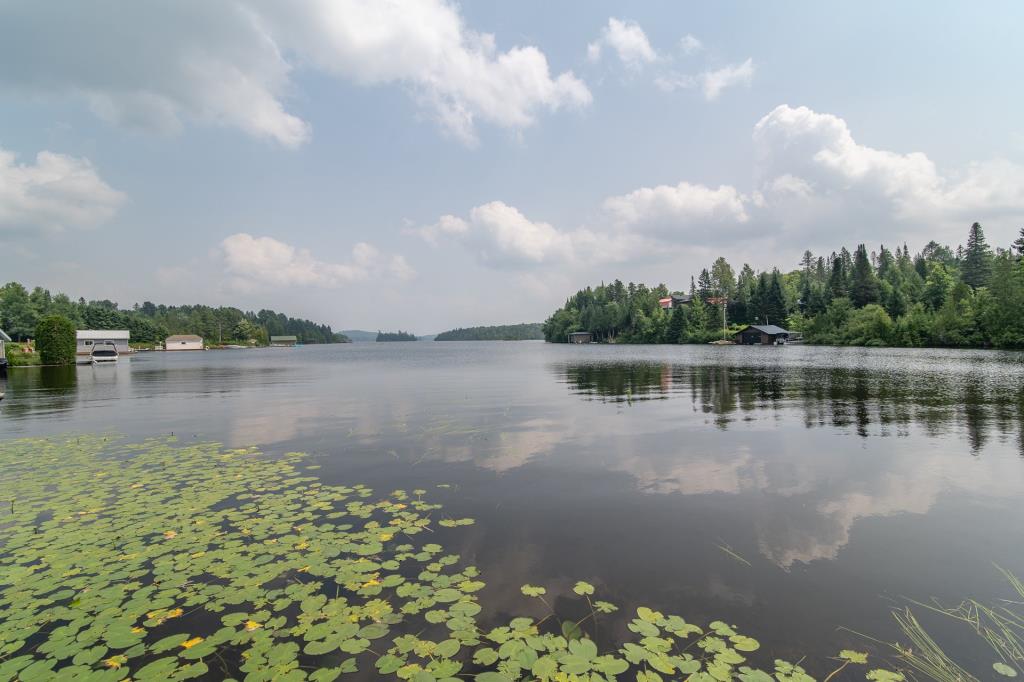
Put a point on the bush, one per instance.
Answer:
(16, 357)
(55, 340)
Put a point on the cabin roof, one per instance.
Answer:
(284, 338)
(769, 329)
(178, 338)
(96, 334)
(3, 336)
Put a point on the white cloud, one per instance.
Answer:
(809, 173)
(796, 145)
(253, 263)
(629, 42)
(230, 63)
(677, 210)
(689, 44)
(57, 191)
(501, 236)
(714, 82)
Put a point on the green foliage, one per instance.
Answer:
(148, 323)
(16, 357)
(395, 336)
(968, 298)
(55, 339)
(505, 332)
(155, 561)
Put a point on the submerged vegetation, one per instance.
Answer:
(157, 561)
(972, 296)
(529, 331)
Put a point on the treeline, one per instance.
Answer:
(972, 296)
(20, 311)
(506, 332)
(395, 336)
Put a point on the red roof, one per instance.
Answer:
(665, 302)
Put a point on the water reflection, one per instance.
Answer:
(871, 401)
(837, 473)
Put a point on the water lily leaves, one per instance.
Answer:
(744, 643)
(881, 675)
(605, 607)
(533, 591)
(485, 656)
(582, 588)
(1004, 669)
(571, 630)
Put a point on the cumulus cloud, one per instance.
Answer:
(713, 83)
(57, 191)
(672, 209)
(230, 63)
(628, 41)
(501, 236)
(809, 172)
(814, 157)
(253, 263)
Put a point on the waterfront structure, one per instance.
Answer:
(87, 338)
(183, 342)
(284, 341)
(761, 334)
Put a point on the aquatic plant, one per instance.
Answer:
(1000, 627)
(158, 561)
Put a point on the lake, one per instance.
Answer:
(798, 492)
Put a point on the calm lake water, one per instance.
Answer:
(847, 480)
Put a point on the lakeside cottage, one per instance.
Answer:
(284, 341)
(580, 337)
(183, 342)
(761, 334)
(87, 338)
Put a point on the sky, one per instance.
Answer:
(423, 164)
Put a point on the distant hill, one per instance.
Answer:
(395, 336)
(359, 335)
(505, 332)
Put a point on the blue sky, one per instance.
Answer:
(424, 165)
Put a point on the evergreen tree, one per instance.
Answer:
(775, 301)
(837, 279)
(1018, 244)
(864, 288)
(977, 260)
(704, 285)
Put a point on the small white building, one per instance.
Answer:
(87, 338)
(183, 342)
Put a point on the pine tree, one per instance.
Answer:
(1018, 245)
(864, 288)
(837, 279)
(775, 300)
(704, 286)
(977, 259)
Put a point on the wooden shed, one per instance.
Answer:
(761, 334)
(580, 337)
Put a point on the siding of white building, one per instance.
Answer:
(87, 338)
(183, 342)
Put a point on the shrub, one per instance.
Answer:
(55, 340)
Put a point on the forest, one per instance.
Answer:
(21, 309)
(505, 332)
(395, 336)
(968, 297)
